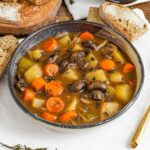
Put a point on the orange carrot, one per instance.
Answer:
(86, 36)
(107, 64)
(50, 69)
(53, 88)
(127, 68)
(28, 95)
(65, 118)
(55, 104)
(38, 84)
(50, 45)
(49, 117)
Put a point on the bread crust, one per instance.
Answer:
(8, 44)
(128, 29)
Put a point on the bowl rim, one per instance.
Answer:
(83, 126)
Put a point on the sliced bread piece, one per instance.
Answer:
(38, 2)
(123, 19)
(93, 15)
(8, 44)
(10, 13)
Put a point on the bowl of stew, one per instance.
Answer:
(75, 75)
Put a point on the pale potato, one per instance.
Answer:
(98, 75)
(64, 41)
(116, 77)
(38, 103)
(92, 60)
(71, 74)
(118, 57)
(33, 73)
(123, 93)
(109, 109)
(77, 47)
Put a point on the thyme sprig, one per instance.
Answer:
(21, 147)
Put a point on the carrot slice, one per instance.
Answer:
(50, 69)
(50, 45)
(28, 95)
(86, 36)
(53, 88)
(65, 118)
(38, 84)
(55, 104)
(127, 68)
(107, 64)
(49, 117)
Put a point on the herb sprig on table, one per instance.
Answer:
(21, 147)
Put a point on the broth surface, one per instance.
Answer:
(75, 78)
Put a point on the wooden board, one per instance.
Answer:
(34, 17)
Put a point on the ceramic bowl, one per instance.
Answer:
(76, 26)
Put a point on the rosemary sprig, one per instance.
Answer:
(20, 147)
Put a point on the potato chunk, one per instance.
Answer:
(38, 103)
(116, 77)
(123, 92)
(77, 47)
(118, 57)
(92, 60)
(98, 75)
(34, 72)
(72, 74)
(108, 109)
(64, 41)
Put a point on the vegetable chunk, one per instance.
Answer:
(98, 75)
(92, 60)
(64, 41)
(116, 77)
(108, 109)
(33, 73)
(123, 92)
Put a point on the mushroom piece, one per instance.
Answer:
(85, 99)
(76, 55)
(89, 45)
(96, 95)
(97, 85)
(108, 49)
(63, 65)
(76, 86)
(20, 84)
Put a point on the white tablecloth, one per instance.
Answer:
(17, 127)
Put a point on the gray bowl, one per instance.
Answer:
(76, 26)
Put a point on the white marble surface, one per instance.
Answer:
(16, 127)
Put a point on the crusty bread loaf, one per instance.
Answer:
(123, 19)
(8, 44)
(38, 2)
(10, 13)
(93, 15)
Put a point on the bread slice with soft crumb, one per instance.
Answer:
(10, 13)
(93, 15)
(123, 19)
(8, 44)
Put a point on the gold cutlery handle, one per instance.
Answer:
(137, 136)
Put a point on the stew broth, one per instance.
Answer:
(75, 78)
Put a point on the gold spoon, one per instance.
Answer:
(139, 131)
